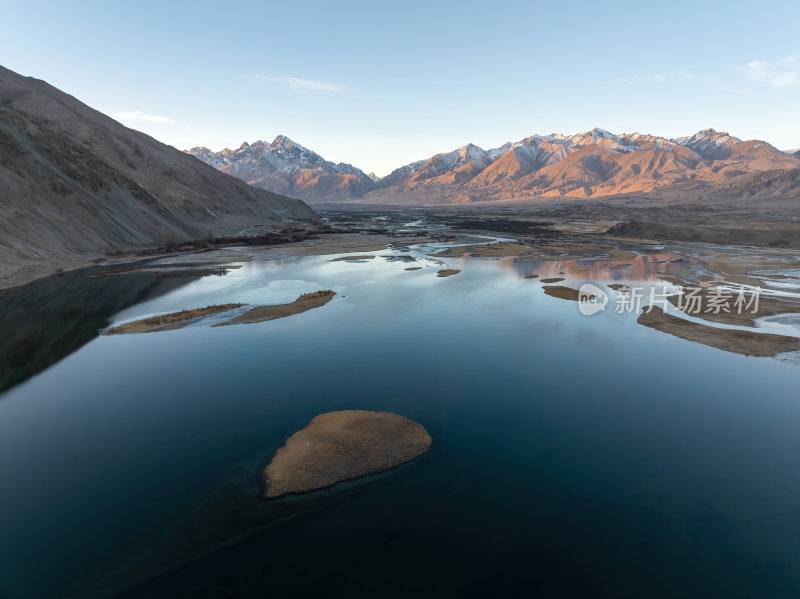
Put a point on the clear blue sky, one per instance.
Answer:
(380, 84)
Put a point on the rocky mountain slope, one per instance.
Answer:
(286, 167)
(76, 184)
(591, 164)
(752, 188)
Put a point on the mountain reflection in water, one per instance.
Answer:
(645, 267)
(45, 321)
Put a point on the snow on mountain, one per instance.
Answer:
(281, 156)
(710, 144)
(470, 155)
(644, 141)
(599, 137)
(595, 162)
(442, 163)
(285, 166)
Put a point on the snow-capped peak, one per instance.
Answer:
(471, 152)
(602, 133)
(283, 144)
(707, 135)
(709, 144)
(289, 161)
(281, 156)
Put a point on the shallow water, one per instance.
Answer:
(574, 455)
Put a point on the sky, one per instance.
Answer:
(381, 84)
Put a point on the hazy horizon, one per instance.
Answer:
(432, 80)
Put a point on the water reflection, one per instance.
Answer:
(566, 458)
(645, 267)
(42, 323)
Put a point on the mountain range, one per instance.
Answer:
(76, 184)
(591, 164)
(288, 168)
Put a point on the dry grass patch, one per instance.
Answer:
(490, 250)
(307, 301)
(166, 322)
(344, 445)
(541, 250)
(351, 258)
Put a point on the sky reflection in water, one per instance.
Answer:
(570, 451)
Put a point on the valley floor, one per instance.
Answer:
(366, 228)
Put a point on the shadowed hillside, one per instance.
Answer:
(76, 184)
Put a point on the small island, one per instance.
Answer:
(352, 258)
(307, 301)
(183, 318)
(737, 341)
(566, 293)
(171, 321)
(343, 445)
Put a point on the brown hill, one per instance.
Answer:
(75, 184)
(311, 185)
(594, 164)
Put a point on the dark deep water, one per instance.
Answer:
(574, 456)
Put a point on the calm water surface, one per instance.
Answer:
(574, 456)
